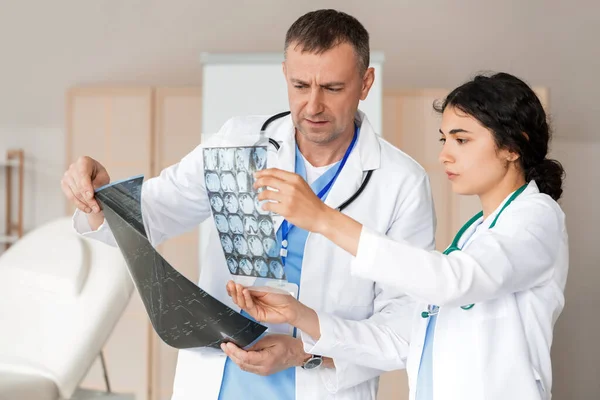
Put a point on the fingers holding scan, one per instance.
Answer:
(271, 354)
(70, 190)
(240, 296)
(264, 304)
(290, 196)
(249, 361)
(80, 180)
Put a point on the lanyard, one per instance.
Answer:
(286, 227)
(432, 309)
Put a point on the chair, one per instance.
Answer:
(60, 298)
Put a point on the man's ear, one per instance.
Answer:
(367, 82)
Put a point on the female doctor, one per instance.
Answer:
(489, 302)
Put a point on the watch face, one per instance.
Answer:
(313, 363)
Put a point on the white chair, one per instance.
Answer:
(60, 298)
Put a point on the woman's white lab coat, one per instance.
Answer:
(396, 201)
(515, 274)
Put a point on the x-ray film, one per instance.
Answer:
(182, 314)
(246, 231)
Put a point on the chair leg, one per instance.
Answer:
(105, 372)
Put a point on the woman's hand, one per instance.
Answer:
(292, 198)
(275, 308)
(298, 204)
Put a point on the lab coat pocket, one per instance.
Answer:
(352, 302)
(491, 309)
(353, 313)
(352, 292)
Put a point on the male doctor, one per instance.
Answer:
(328, 142)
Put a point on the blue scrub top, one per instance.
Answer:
(238, 384)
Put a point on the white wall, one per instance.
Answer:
(44, 167)
(576, 353)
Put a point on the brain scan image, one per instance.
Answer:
(216, 203)
(242, 159)
(255, 245)
(240, 245)
(235, 224)
(226, 159)
(243, 182)
(276, 268)
(212, 182)
(211, 159)
(221, 223)
(231, 203)
(246, 203)
(246, 231)
(270, 247)
(258, 207)
(232, 264)
(228, 182)
(260, 158)
(227, 244)
(261, 268)
(250, 225)
(266, 226)
(246, 266)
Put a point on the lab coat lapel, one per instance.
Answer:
(364, 157)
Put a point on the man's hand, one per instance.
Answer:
(78, 184)
(268, 356)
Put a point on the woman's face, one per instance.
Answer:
(469, 154)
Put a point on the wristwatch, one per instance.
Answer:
(314, 362)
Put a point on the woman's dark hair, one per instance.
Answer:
(510, 109)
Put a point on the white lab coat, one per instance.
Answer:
(515, 274)
(397, 202)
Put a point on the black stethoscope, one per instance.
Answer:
(277, 147)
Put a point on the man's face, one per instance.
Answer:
(324, 91)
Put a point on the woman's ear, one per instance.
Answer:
(512, 157)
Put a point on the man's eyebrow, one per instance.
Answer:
(327, 84)
(298, 81)
(330, 84)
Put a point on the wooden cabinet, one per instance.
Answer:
(138, 130)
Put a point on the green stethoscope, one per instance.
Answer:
(434, 310)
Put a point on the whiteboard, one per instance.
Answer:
(238, 84)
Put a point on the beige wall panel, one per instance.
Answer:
(114, 126)
(393, 386)
(130, 126)
(177, 122)
(440, 189)
(418, 125)
(89, 127)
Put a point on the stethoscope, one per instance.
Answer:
(277, 147)
(433, 309)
